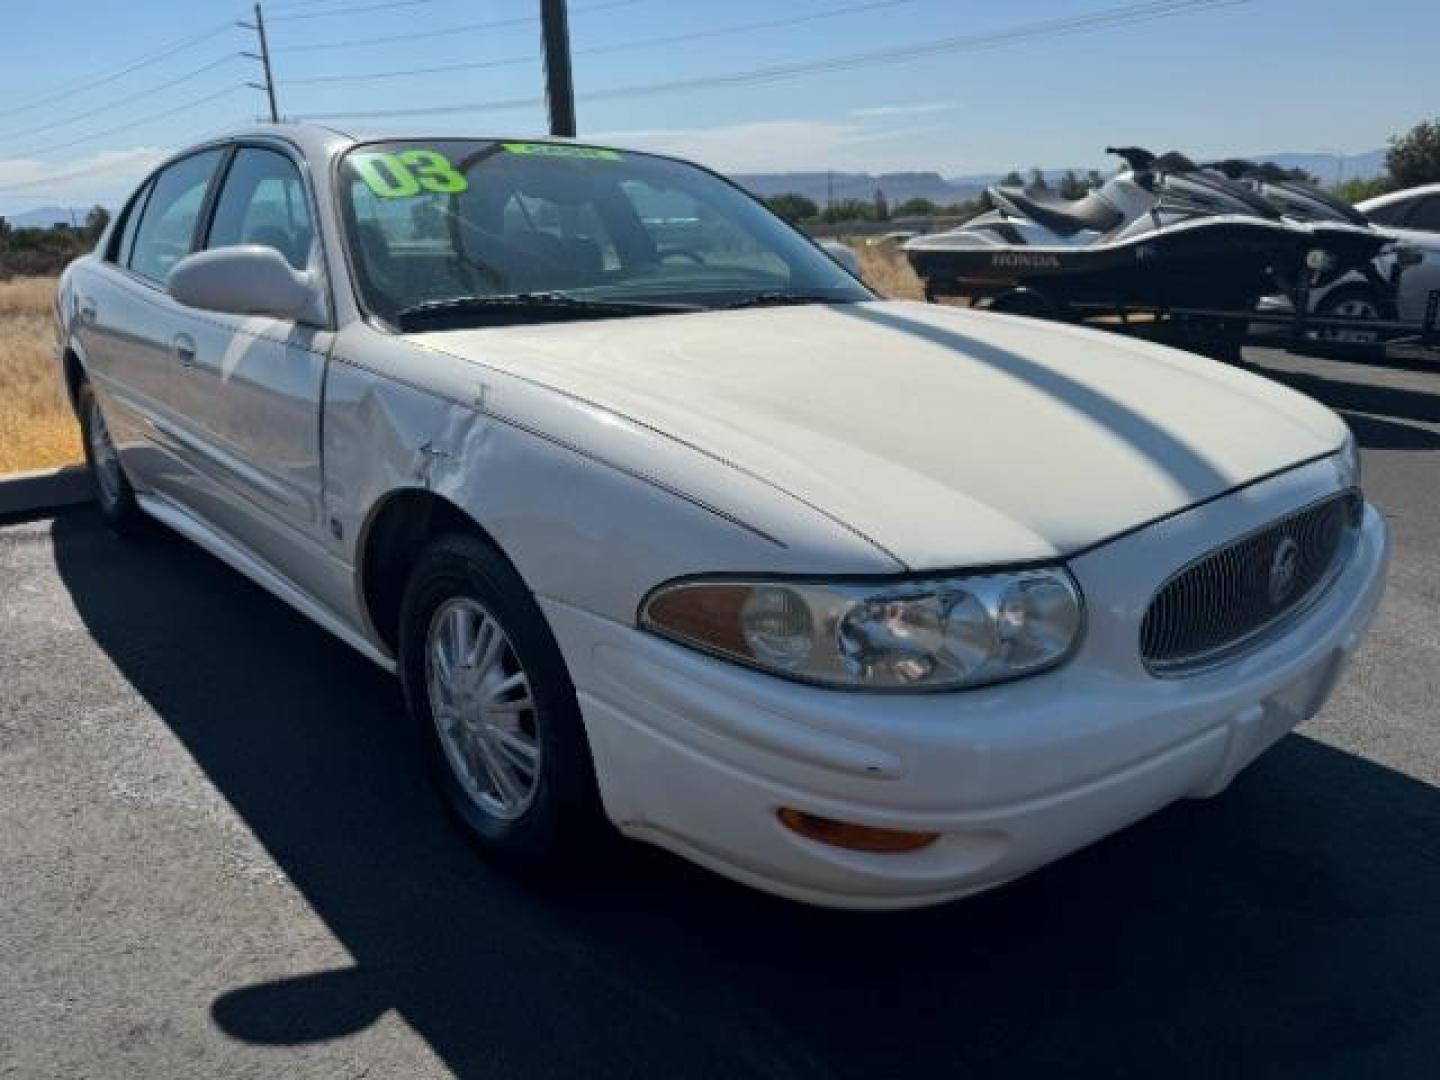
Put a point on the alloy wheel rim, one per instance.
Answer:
(1354, 308)
(104, 456)
(484, 712)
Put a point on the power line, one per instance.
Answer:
(92, 136)
(119, 102)
(1114, 17)
(54, 179)
(71, 89)
(305, 4)
(624, 46)
(350, 11)
(449, 31)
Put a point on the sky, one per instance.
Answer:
(93, 92)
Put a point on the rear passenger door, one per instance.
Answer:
(256, 381)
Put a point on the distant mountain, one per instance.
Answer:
(897, 186)
(1330, 166)
(42, 217)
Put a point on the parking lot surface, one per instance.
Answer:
(219, 855)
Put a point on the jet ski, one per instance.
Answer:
(1161, 233)
(1295, 199)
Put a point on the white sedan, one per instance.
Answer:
(662, 518)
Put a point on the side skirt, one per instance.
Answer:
(239, 559)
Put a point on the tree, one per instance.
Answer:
(916, 207)
(1357, 190)
(849, 210)
(1013, 179)
(96, 221)
(1071, 186)
(882, 208)
(1094, 179)
(1037, 179)
(792, 207)
(1414, 158)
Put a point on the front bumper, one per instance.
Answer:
(697, 755)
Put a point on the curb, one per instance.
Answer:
(44, 489)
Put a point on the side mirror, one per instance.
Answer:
(248, 279)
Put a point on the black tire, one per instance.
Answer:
(563, 819)
(113, 494)
(1358, 302)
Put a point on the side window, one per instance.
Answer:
(1391, 213)
(120, 246)
(166, 233)
(264, 202)
(1425, 216)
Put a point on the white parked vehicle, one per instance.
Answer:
(660, 516)
(1411, 217)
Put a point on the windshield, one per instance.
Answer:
(442, 220)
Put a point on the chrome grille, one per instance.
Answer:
(1225, 600)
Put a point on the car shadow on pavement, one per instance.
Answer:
(1288, 928)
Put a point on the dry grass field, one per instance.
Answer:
(37, 429)
(886, 271)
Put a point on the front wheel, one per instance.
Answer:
(487, 687)
(113, 493)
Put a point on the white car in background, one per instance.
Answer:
(662, 517)
(1412, 218)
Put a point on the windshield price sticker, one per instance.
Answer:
(590, 153)
(408, 173)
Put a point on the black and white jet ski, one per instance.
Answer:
(1163, 232)
(1295, 199)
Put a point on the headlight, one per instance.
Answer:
(932, 634)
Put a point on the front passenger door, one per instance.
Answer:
(257, 380)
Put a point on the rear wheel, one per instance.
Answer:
(495, 709)
(113, 493)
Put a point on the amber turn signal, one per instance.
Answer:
(855, 837)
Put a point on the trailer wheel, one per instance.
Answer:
(1028, 302)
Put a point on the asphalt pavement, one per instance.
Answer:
(219, 856)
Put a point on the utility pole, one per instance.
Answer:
(264, 57)
(559, 87)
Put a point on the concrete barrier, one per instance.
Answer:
(44, 489)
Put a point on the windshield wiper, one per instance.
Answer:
(528, 305)
(777, 298)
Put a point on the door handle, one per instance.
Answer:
(183, 347)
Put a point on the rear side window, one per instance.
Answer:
(166, 233)
(1425, 216)
(264, 202)
(120, 247)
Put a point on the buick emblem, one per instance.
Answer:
(1284, 568)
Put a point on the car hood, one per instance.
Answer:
(947, 437)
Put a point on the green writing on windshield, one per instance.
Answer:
(538, 149)
(409, 173)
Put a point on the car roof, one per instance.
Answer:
(1396, 196)
(319, 142)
